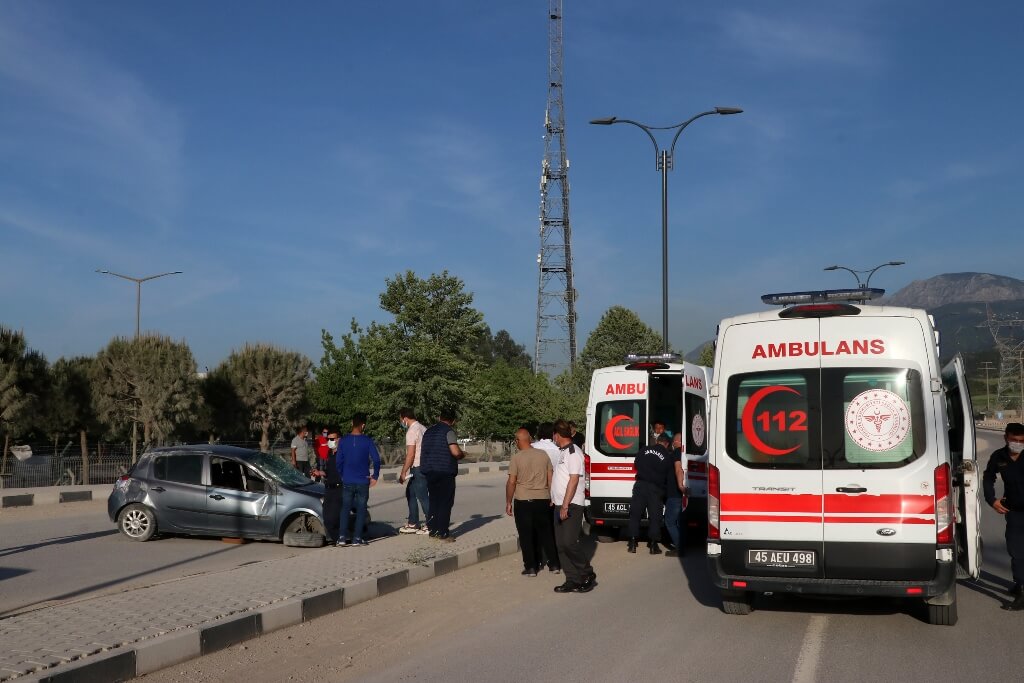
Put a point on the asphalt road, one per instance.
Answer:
(57, 553)
(650, 618)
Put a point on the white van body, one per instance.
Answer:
(624, 402)
(841, 458)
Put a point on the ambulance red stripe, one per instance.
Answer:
(816, 519)
(609, 467)
(833, 503)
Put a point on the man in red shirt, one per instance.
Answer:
(322, 451)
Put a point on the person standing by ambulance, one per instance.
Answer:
(1008, 464)
(567, 499)
(652, 466)
(675, 489)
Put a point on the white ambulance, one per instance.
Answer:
(842, 456)
(625, 401)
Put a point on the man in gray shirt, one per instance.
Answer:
(300, 451)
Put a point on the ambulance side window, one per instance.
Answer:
(776, 420)
(696, 425)
(620, 428)
(882, 413)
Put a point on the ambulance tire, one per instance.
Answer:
(737, 602)
(943, 615)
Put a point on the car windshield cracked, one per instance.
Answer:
(279, 470)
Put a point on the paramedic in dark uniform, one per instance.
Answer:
(1008, 464)
(649, 493)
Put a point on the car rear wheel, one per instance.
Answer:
(737, 602)
(137, 522)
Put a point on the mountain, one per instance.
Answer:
(957, 288)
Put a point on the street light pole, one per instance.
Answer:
(869, 271)
(138, 320)
(663, 160)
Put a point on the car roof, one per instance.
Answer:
(211, 448)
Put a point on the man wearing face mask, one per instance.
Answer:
(332, 490)
(1008, 463)
(416, 489)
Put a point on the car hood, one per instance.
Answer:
(314, 490)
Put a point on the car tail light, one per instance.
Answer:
(586, 475)
(943, 506)
(714, 506)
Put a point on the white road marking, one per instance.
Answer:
(810, 652)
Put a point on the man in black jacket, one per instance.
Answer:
(649, 493)
(332, 490)
(1008, 464)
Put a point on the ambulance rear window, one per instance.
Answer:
(620, 427)
(775, 425)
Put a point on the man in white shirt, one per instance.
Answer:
(416, 489)
(567, 498)
(545, 431)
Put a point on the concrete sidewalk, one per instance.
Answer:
(117, 637)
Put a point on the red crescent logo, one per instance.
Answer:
(748, 421)
(610, 428)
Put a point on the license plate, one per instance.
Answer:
(780, 558)
(617, 507)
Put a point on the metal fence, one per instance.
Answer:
(62, 466)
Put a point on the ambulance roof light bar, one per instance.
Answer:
(861, 294)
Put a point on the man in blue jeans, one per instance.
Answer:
(416, 489)
(356, 454)
(675, 488)
(439, 463)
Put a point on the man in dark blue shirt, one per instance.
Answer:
(356, 453)
(1007, 463)
(439, 463)
(652, 466)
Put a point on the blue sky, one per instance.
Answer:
(289, 158)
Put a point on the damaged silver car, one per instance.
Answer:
(213, 490)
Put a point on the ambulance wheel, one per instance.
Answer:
(943, 615)
(737, 602)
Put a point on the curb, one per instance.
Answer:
(147, 656)
(56, 495)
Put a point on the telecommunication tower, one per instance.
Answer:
(556, 296)
(1011, 360)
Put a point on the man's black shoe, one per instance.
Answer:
(654, 548)
(631, 546)
(586, 586)
(567, 587)
(673, 553)
(668, 545)
(1015, 590)
(1016, 606)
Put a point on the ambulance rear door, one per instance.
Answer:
(880, 447)
(696, 380)
(617, 424)
(963, 457)
(767, 449)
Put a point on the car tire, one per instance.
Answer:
(737, 602)
(303, 539)
(137, 522)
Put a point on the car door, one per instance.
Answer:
(770, 484)
(240, 502)
(964, 463)
(879, 449)
(176, 491)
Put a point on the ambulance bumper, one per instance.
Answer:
(945, 577)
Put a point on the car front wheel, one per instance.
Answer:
(137, 522)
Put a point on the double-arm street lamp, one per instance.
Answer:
(664, 165)
(869, 271)
(138, 319)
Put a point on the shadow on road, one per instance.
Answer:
(474, 522)
(991, 586)
(694, 565)
(11, 572)
(60, 540)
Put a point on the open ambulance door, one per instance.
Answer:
(967, 477)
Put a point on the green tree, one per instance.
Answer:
(340, 383)
(501, 346)
(70, 405)
(503, 398)
(271, 383)
(225, 415)
(619, 332)
(707, 356)
(151, 380)
(15, 403)
(424, 359)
